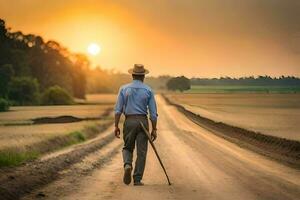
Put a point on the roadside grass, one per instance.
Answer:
(76, 137)
(11, 157)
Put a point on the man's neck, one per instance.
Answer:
(136, 80)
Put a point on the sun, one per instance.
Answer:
(93, 49)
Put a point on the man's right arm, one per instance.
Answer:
(118, 112)
(117, 129)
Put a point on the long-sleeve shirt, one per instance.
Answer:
(136, 98)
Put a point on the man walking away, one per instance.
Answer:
(134, 100)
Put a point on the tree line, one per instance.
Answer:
(249, 81)
(29, 66)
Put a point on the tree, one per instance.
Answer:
(179, 83)
(4, 50)
(6, 73)
(4, 105)
(3, 30)
(56, 95)
(23, 91)
(81, 65)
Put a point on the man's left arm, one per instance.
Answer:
(153, 115)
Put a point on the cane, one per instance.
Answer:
(155, 151)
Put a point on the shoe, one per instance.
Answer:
(138, 183)
(127, 174)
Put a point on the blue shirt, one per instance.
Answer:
(136, 98)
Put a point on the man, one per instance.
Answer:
(134, 100)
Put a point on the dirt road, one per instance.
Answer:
(200, 165)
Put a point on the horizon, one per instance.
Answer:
(248, 39)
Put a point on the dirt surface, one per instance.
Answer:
(200, 164)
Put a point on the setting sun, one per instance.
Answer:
(94, 49)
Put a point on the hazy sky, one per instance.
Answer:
(206, 38)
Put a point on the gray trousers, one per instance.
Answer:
(133, 134)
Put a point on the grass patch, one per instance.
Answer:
(76, 137)
(13, 158)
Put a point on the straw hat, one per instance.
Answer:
(138, 69)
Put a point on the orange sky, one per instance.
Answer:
(209, 38)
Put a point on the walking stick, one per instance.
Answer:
(155, 151)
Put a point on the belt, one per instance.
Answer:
(137, 116)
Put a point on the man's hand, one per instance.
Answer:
(153, 135)
(117, 132)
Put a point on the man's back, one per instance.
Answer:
(135, 98)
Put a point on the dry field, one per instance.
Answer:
(18, 134)
(25, 114)
(19, 137)
(101, 98)
(273, 114)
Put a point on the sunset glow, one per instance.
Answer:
(192, 38)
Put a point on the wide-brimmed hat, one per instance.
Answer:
(138, 69)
